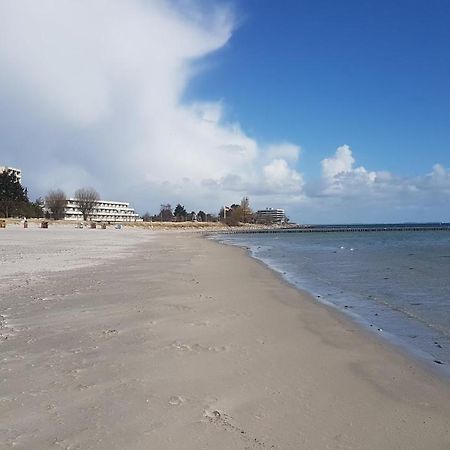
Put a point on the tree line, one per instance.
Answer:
(234, 215)
(14, 202)
(178, 214)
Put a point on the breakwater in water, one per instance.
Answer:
(341, 228)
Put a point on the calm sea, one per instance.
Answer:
(395, 283)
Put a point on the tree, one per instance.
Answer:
(55, 201)
(13, 197)
(246, 212)
(231, 215)
(234, 216)
(86, 198)
(165, 213)
(35, 209)
(147, 217)
(180, 213)
(201, 216)
(192, 217)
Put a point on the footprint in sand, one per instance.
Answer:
(110, 332)
(176, 400)
(222, 420)
(199, 348)
(176, 307)
(205, 323)
(83, 387)
(179, 346)
(214, 415)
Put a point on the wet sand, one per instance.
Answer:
(171, 341)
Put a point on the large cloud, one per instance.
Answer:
(340, 178)
(94, 92)
(348, 193)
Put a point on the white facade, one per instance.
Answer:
(17, 172)
(271, 215)
(104, 211)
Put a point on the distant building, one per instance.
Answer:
(104, 211)
(271, 215)
(17, 172)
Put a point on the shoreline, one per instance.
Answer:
(426, 360)
(185, 343)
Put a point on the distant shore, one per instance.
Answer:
(220, 227)
(138, 339)
(155, 226)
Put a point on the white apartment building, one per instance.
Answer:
(17, 172)
(271, 215)
(104, 211)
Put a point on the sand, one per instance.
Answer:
(171, 341)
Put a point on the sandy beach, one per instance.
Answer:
(132, 339)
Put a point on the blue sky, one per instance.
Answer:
(337, 111)
(371, 74)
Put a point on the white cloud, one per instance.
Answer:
(350, 193)
(280, 177)
(97, 85)
(439, 178)
(285, 150)
(339, 164)
(341, 178)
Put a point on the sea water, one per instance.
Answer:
(396, 283)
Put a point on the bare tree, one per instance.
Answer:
(55, 201)
(86, 199)
(246, 211)
(233, 215)
(165, 213)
